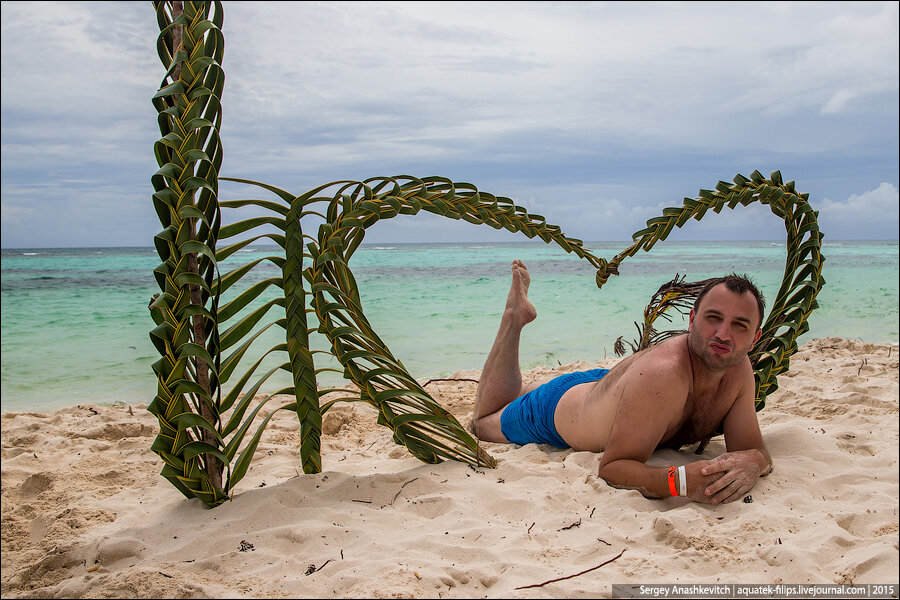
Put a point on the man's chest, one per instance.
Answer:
(702, 417)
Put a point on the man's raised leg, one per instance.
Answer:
(501, 379)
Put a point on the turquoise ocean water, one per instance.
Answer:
(75, 322)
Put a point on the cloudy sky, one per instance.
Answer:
(595, 115)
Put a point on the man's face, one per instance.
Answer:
(724, 328)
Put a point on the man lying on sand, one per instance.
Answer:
(672, 394)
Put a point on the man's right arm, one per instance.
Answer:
(645, 412)
(653, 482)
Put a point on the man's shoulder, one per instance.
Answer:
(665, 365)
(669, 356)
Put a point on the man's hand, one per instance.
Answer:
(732, 474)
(698, 482)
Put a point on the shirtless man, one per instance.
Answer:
(671, 394)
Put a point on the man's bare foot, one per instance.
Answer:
(518, 307)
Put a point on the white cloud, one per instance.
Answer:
(839, 101)
(872, 214)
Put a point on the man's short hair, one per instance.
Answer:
(739, 284)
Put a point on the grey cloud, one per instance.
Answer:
(597, 114)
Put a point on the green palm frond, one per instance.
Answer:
(348, 208)
(802, 281)
(429, 431)
(185, 197)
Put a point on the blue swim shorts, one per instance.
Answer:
(529, 418)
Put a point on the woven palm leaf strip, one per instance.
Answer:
(802, 281)
(302, 366)
(185, 192)
(285, 216)
(429, 432)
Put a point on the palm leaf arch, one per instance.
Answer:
(795, 300)
(211, 414)
(429, 431)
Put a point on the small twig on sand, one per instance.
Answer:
(571, 576)
(451, 379)
(575, 524)
(313, 568)
(401, 489)
(529, 529)
(865, 361)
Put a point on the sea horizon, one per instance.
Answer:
(75, 325)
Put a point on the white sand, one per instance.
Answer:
(86, 514)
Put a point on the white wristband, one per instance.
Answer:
(682, 481)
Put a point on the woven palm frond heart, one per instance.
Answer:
(796, 298)
(210, 416)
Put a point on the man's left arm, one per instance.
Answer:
(747, 458)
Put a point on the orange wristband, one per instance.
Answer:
(672, 489)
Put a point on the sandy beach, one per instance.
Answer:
(86, 514)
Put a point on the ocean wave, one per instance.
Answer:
(113, 280)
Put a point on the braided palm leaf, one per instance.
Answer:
(430, 432)
(293, 299)
(802, 281)
(404, 406)
(189, 154)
